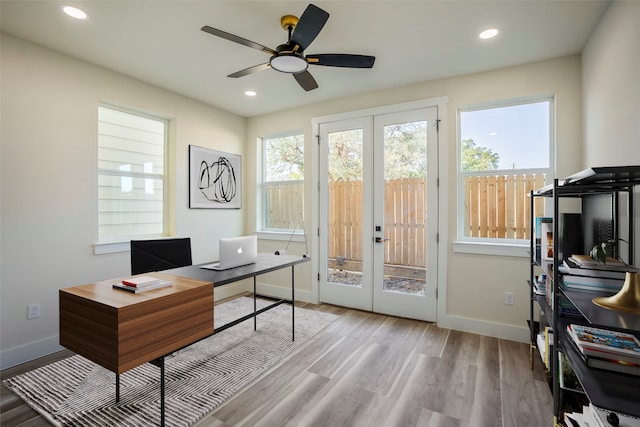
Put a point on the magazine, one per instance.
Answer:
(605, 344)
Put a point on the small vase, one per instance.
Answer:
(627, 299)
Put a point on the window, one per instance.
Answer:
(131, 175)
(505, 151)
(283, 178)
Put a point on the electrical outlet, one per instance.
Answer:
(33, 311)
(508, 298)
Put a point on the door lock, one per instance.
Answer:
(380, 240)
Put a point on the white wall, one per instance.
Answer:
(611, 92)
(48, 178)
(611, 88)
(475, 284)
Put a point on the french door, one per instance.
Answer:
(378, 248)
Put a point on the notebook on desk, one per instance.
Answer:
(234, 252)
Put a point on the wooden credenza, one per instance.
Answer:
(120, 330)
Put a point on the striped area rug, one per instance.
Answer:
(77, 392)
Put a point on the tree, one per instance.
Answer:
(284, 158)
(345, 155)
(405, 151)
(475, 158)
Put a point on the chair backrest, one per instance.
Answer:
(160, 254)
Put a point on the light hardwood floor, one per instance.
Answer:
(369, 370)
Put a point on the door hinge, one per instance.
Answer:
(437, 237)
(318, 277)
(438, 125)
(318, 231)
(318, 139)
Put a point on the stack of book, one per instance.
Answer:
(608, 350)
(141, 284)
(582, 272)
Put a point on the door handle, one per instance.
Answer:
(380, 240)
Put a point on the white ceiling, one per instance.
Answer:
(160, 42)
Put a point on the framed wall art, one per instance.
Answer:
(215, 179)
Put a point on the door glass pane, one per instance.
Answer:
(405, 213)
(345, 163)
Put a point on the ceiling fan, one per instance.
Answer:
(290, 57)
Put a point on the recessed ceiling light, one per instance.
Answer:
(74, 12)
(489, 33)
(250, 93)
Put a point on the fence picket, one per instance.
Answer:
(496, 206)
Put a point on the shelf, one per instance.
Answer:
(611, 391)
(594, 180)
(606, 389)
(601, 316)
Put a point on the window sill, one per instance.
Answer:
(280, 236)
(492, 248)
(111, 248)
(102, 248)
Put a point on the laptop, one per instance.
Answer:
(234, 252)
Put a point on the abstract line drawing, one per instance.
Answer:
(214, 179)
(217, 180)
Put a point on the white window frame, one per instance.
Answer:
(122, 244)
(296, 235)
(496, 246)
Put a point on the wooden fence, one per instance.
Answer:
(404, 221)
(495, 207)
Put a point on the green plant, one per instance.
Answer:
(599, 251)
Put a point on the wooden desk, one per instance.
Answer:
(120, 330)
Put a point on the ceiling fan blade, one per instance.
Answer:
(250, 70)
(309, 25)
(236, 39)
(342, 60)
(306, 80)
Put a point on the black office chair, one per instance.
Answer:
(161, 254)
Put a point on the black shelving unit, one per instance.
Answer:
(608, 390)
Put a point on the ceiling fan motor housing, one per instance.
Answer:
(288, 60)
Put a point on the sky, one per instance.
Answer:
(519, 133)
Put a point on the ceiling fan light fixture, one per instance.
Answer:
(288, 62)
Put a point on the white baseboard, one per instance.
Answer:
(232, 289)
(480, 327)
(284, 292)
(24, 353)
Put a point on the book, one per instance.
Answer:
(614, 365)
(570, 281)
(141, 281)
(136, 290)
(568, 267)
(629, 368)
(605, 344)
(586, 260)
(538, 236)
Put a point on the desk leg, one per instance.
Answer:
(293, 305)
(255, 318)
(162, 391)
(117, 388)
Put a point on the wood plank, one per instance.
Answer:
(367, 369)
